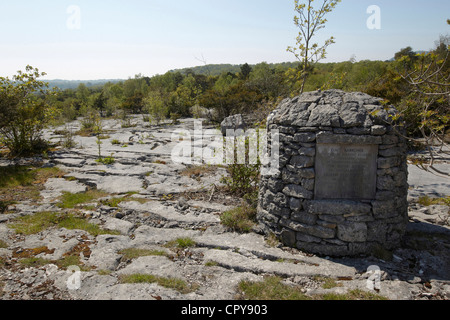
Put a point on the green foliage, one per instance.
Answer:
(266, 81)
(72, 222)
(181, 243)
(271, 288)
(115, 142)
(3, 244)
(133, 253)
(89, 123)
(134, 104)
(425, 105)
(82, 95)
(24, 112)
(243, 179)
(71, 200)
(21, 183)
(4, 205)
(100, 103)
(245, 71)
(14, 176)
(171, 283)
(40, 221)
(230, 96)
(114, 202)
(156, 106)
(427, 201)
(240, 219)
(107, 160)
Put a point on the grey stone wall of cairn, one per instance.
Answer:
(341, 188)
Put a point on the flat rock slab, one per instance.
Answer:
(424, 183)
(156, 265)
(169, 213)
(251, 248)
(114, 184)
(124, 227)
(70, 162)
(241, 263)
(105, 253)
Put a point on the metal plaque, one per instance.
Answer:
(346, 171)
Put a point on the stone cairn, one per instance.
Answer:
(341, 188)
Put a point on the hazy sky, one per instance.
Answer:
(94, 39)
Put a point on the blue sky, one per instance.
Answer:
(118, 38)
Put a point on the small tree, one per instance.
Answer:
(155, 106)
(100, 103)
(24, 112)
(245, 71)
(408, 51)
(82, 94)
(310, 21)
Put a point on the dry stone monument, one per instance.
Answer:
(341, 188)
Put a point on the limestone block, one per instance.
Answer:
(352, 232)
(294, 190)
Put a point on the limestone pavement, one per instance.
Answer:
(163, 205)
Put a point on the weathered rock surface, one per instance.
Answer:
(167, 206)
(233, 123)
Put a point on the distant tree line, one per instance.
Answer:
(416, 83)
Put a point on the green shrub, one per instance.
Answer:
(428, 201)
(24, 112)
(38, 222)
(243, 179)
(106, 161)
(90, 121)
(68, 141)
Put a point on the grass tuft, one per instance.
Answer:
(133, 253)
(241, 219)
(20, 183)
(171, 283)
(3, 244)
(114, 202)
(41, 221)
(71, 200)
(356, 294)
(271, 288)
(428, 201)
(181, 243)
